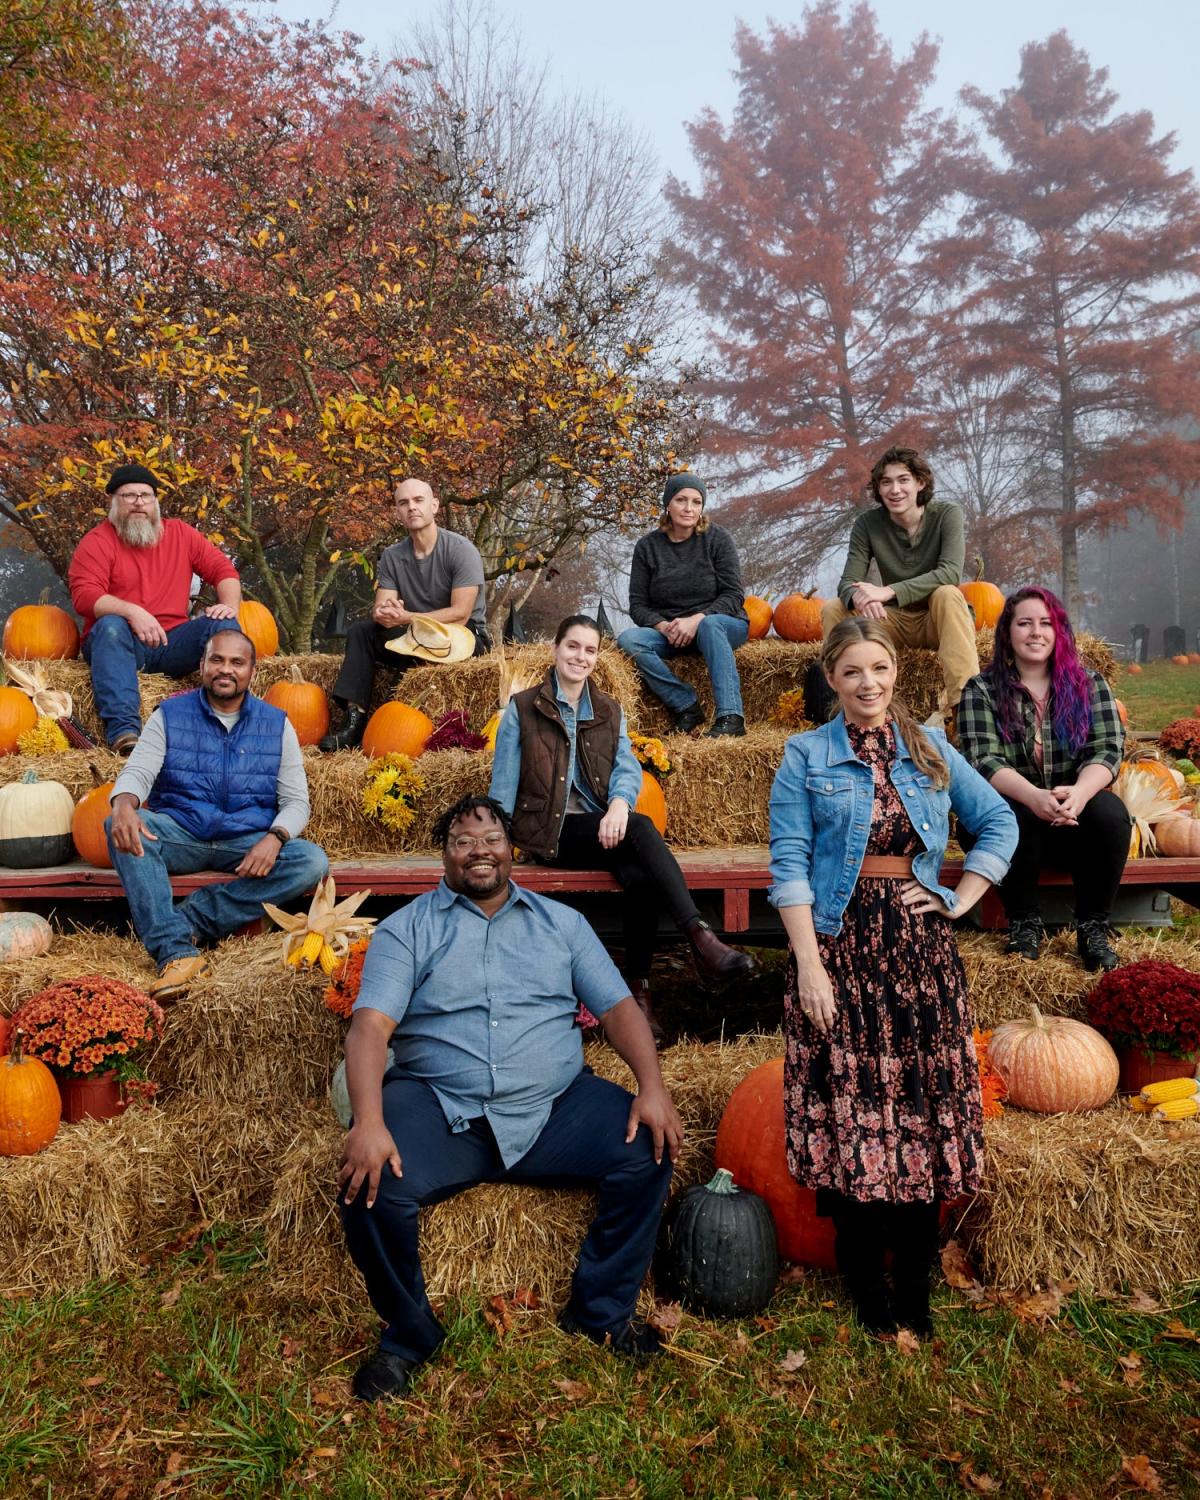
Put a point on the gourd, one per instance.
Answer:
(396, 726)
(87, 826)
(256, 621)
(23, 934)
(651, 802)
(17, 714)
(751, 1144)
(35, 823)
(41, 631)
(305, 704)
(719, 1252)
(1052, 1064)
(30, 1104)
(760, 614)
(985, 599)
(798, 617)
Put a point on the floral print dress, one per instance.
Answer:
(886, 1107)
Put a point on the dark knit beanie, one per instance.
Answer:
(131, 474)
(683, 481)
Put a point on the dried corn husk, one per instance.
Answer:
(510, 682)
(324, 932)
(1148, 802)
(51, 703)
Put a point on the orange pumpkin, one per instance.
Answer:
(87, 826)
(1122, 711)
(41, 631)
(396, 726)
(1179, 835)
(1180, 660)
(1194, 658)
(759, 613)
(17, 714)
(1052, 1064)
(798, 617)
(985, 598)
(651, 801)
(305, 704)
(1159, 770)
(30, 1104)
(1134, 669)
(751, 1144)
(257, 621)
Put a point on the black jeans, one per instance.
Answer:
(365, 651)
(1093, 853)
(648, 872)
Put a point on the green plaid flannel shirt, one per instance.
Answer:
(980, 742)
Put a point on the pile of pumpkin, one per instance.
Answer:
(1163, 807)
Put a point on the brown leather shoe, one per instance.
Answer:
(715, 959)
(640, 990)
(178, 975)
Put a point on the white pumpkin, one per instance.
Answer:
(23, 934)
(35, 823)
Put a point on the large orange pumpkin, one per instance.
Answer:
(1179, 835)
(87, 826)
(1180, 660)
(305, 704)
(751, 1145)
(1052, 1064)
(17, 714)
(257, 621)
(30, 1104)
(798, 617)
(41, 631)
(396, 726)
(759, 613)
(985, 598)
(1159, 770)
(651, 801)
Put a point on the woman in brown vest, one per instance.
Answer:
(565, 771)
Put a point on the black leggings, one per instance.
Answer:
(646, 869)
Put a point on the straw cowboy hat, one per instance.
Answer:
(434, 640)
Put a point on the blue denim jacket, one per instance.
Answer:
(821, 820)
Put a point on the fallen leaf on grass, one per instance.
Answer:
(768, 1325)
(1039, 1307)
(498, 1315)
(957, 1267)
(93, 1380)
(793, 1360)
(324, 1453)
(1141, 1471)
(526, 1299)
(979, 1484)
(1177, 1330)
(1131, 1368)
(171, 1297)
(1143, 1302)
(574, 1389)
(1071, 1387)
(174, 1461)
(959, 1406)
(790, 1275)
(291, 1347)
(907, 1343)
(842, 1336)
(666, 1317)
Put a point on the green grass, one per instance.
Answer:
(1159, 693)
(197, 1381)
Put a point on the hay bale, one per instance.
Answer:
(717, 794)
(1101, 1199)
(73, 768)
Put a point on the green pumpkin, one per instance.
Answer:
(719, 1252)
(35, 823)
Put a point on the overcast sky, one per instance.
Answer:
(661, 61)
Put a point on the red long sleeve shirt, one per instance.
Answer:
(158, 578)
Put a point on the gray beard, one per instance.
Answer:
(139, 531)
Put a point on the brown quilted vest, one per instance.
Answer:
(546, 753)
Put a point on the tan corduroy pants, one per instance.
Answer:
(942, 622)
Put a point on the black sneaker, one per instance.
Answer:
(1095, 950)
(636, 1341)
(384, 1377)
(1025, 937)
(688, 719)
(727, 724)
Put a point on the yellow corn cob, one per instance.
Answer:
(1177, 1109)
(1139, 1105)
(1170, 1088)
(295, 956)
(327, 958)
(311, 950)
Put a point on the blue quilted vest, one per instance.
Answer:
(217, 782)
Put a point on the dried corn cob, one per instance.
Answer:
(1170, 1088)
(1177, 1109)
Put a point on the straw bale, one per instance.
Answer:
(73, 768)
(1104, 1199)
(717, 794)
(73, 953)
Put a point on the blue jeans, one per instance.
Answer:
(116, 656)
(582, 1146)
(168, 931)
(717, 639)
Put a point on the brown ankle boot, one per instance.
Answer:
(640, 990)
(715, 959)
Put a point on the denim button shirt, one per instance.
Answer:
(821, 805)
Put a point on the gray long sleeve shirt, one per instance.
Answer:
(700, 576)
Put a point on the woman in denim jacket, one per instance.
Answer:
(881, 1085)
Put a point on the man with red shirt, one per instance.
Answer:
(130, 579)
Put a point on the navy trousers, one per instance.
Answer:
(581, 1146)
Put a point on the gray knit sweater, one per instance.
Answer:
(700, 576)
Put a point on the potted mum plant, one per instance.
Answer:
(1150, 1012)
(88, 1032)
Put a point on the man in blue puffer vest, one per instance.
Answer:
(215, 782)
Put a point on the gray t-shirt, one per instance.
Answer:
(424, 583)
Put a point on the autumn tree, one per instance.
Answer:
(806, 246)
(1084, 251)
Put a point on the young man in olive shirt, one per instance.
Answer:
(917, 544)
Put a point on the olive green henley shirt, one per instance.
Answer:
(913, 567)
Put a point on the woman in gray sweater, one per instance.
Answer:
(685, 594)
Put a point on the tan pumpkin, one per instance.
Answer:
(1181, 660)
(396, 726)
(651, 802)
(1052, 1064)
(798, 617)
(23, 934)
(30, 1104)
(87, 826)
(17, 715)
(760, 614)
(35, 823)
(985, 599)
(305, 704)
(41, 632)
(257, 621)
(1179, 835)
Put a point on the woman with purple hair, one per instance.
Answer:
(1045, 731)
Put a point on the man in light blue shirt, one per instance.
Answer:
(474, 988)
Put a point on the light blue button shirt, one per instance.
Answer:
(485, 1010)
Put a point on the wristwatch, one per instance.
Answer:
(281, 834)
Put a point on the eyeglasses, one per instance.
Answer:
(463, 843)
